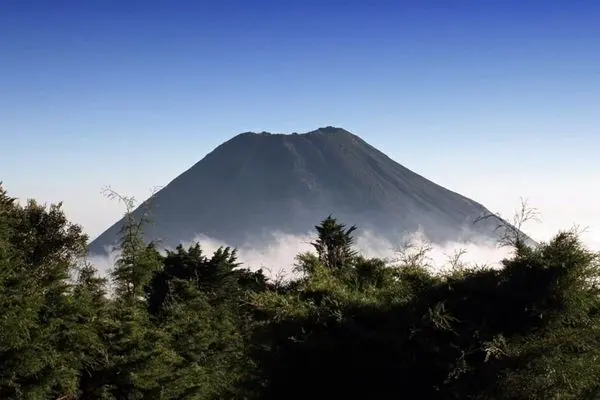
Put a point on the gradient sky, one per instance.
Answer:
(494, 99)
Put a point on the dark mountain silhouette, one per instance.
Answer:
(257, 183)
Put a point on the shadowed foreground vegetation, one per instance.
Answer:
(190, 325)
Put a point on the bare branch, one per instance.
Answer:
(413, 253)
(455, 260)
(134, 227)
(512, 235)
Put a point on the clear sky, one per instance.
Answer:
(494, 99)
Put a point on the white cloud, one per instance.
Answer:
(276, 254)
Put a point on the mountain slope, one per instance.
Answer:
(259, 182)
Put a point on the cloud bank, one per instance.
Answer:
(276, 254)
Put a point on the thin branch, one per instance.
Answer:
(513, 235)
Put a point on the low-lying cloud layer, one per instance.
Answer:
(276, 254)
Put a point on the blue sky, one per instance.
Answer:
(493, 99)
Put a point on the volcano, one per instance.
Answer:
(258, 183)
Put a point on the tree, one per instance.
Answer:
(555, 294)
(199, 302)
(139, 355)
(334, 243)
(137, 261)
(39, 250)
(93, 310)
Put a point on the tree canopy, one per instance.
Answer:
(184, 324)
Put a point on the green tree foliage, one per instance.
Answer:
(334, 243)
(199, 302)
(188, 325)
(526, 331)
(40, 327)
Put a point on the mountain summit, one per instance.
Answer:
(256, 183)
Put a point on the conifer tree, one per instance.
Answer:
(139, 353)
(334, 243)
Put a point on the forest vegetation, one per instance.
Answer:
(189, 325)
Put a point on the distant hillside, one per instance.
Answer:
(259, 182)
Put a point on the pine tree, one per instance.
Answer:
(93, 311)
(139, 356)
(334, 243)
